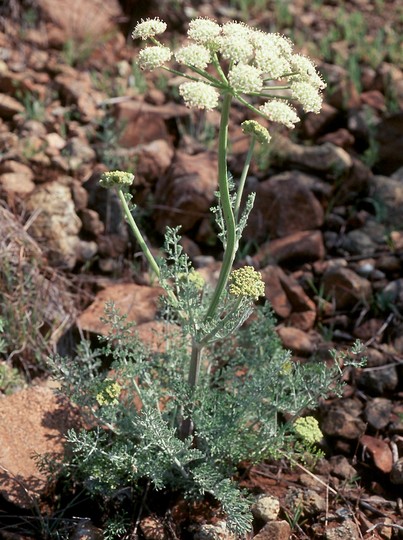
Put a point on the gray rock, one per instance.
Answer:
(347, 530)
(396, 475)
(266, 508)
(339, 422)
(357, 242)
(377, 412)
(387, 194)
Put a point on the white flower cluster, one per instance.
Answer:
(247, 61)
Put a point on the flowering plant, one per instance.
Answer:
(185, 416)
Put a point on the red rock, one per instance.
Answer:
(380, 452)
(341, 137)
(284, 205)
(274, 530)
(303, 246)
(296, 340)
(274, 290)
(347, 287)
(375, 99)
(315, 123)
(9, 107)
(186, 193)
(138, 302)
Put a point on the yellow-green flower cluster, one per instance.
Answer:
(116, 179)
(251, 127)
(308, 429)
(246, 282)
(109, 394)
(245, 60)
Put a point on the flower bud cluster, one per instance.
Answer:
(116, 179)
(246, 282)
(308, 429)
(246, 60)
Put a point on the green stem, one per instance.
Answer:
(145, 249)
(244, 174)
(225, 200)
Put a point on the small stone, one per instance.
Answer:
(337, 422)
(15, 183)
(138, 302)
(309, 502)
(341, 467)
(207, 531)
(379, 381)
(347, 530)
(266, 508)
(274, 530)
(91, 222)
(380, 452)
(377, 412)
(296, 340)
(152, 528)
(9, 107)
(356, 242)
(396, 474)
(347, 287)
(303, 246)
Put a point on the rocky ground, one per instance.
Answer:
(326, 233)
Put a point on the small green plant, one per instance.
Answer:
(217, 392)
(35, 108)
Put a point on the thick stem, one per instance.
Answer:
(145, 249)
(228, 214)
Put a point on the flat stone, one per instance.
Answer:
(138, 302)
(348, 529)
(296, 340)
(303, 246)
(15, 183)
(337, 422)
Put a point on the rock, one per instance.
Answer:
(274, 530)
(341, 468)
(288, 298)
(14, 183)
(346, 287)
(272, 276)
(156, 334)
(390, 140)
(138, 302)
(153, 159)
(153, 528)
(378, 412)
(218, 531)
(9, 107)
(187, 191)
(357, 242)
(303, 246)
(341, 137)
(56, 224)
(314, 124)
(266, 508)
(72, 17)
(75, 88)
(306, 501)
(91, 222)
(296, 340)
(388, 193)
(78, 152)
(348, 529)
(86, 530)
(396, 474)
(32, 421)
(283, 205)
(339, 422)
(143, 123)
(378, 381)
(326, 158)
(393, 292)
(380, 452)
